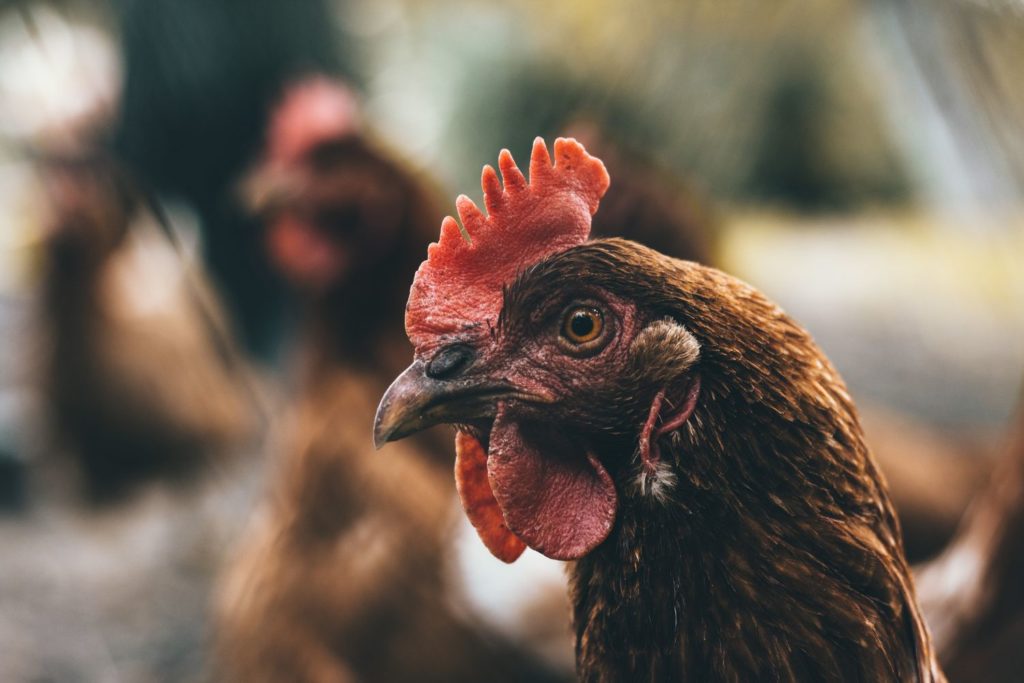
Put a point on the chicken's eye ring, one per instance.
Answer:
(583, 329)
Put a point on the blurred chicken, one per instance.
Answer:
(973, 595)
(136, 383)
(347, 573)
(344, 576)
(200, 77)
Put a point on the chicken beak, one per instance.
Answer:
(402, 408)
(415, 401)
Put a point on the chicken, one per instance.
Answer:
(971, 594)
(664, 428)
(199, 78)
(341, 216)
(346, 575)
(119, 324)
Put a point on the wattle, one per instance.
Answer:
(552, 494)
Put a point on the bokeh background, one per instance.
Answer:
(862, 162)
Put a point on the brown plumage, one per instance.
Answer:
(346, 576)
(972, 594)
(680, 439)
(137, 387)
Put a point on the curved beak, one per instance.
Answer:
(415, 401)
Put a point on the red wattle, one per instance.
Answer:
(478, 500)
(554, 495)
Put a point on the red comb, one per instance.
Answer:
(459, 286)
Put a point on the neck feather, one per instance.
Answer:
(754, 576)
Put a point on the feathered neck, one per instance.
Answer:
(745, 586)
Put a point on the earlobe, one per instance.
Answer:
(656, 478)
(650, 454)
(661, 353)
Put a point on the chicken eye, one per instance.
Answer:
(582, 324)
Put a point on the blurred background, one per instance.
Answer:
(210, 212)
